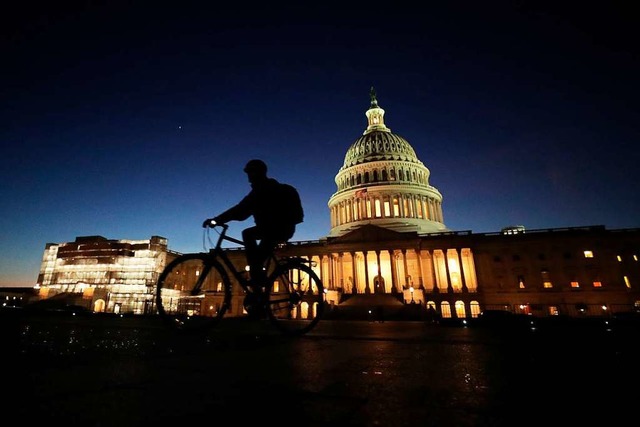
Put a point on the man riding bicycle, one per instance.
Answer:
(272, 215)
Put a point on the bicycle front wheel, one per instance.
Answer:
(188, 296)
(296, 299)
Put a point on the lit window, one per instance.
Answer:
(377, 208)
(635, 257)
(627, 282)
(521, 282)
(597, 284)
(387, 209)
(619, 258)
(575, 284)
(546, 280)
(588, 254)
(553, 310)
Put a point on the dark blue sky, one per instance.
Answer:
(133, 119)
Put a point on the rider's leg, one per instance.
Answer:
(265, 249)
(255, 259)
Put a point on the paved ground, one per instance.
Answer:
(132, 372)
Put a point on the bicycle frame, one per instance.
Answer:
(219, 253)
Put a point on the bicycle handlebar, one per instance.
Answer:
(223, 235)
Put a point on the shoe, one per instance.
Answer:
(256, 312)
(253, 305)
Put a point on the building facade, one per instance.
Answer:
(114, 276)
(388, 247)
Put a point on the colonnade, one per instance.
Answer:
(386, 206)
(390, 271)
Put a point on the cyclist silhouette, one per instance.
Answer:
(272, 226)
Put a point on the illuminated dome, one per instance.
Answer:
(379, 145)
(382, 182)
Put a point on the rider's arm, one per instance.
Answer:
(239, 212)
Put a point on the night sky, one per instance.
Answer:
(133, 119)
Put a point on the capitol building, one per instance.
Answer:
(388, 247)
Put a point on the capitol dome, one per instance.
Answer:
(382, 182)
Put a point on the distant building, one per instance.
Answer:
(388, 246)
(115, 276)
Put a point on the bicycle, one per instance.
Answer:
(194, 291)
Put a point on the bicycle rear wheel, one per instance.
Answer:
(188, 296)
(295, 300)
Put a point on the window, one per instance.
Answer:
(475, 308)
(461, 313)
(553, 310)
(627, 282)
(575, 284)
(445, 310)
(546, 280)
(588, 254)
(521, 282)
(619, 258)
(597, 284)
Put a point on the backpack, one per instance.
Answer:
(290, 204)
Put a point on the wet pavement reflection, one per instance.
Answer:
(99, 371)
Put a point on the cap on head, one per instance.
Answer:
(256, 166)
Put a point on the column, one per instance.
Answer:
(379, 275)
(354, 272)
(436, 289)
(366, 274)
(340, 271)
(461, 266)
(446, 268)
(419, 282)
(324, 268)
(394, 271)
(404, 264)
(331, 272)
